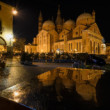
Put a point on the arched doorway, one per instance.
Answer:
(2, 45)
(2, 41)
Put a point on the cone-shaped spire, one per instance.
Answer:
(40, 16)
(59, 19)
(58, 13)
(93, 14)
(63, 20)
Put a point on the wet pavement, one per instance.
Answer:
(14, 72)
(57, 89)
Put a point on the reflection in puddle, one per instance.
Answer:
(83, 80)
(58, 89)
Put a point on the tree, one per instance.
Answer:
(19, 44)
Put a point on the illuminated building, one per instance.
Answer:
(82, 36)
(108, 50)
(6, 26)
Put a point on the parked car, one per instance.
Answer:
(26, 59)
(28, 63)
(93, 59)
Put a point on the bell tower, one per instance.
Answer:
(59, 21)
(40, 20)
(93, 15)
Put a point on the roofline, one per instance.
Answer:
(6, 4)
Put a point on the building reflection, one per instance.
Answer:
(61, 87)
(84, 81)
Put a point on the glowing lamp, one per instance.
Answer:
(14, 12)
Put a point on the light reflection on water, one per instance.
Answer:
(83, 80)
(61, 87)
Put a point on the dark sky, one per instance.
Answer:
(26, 22)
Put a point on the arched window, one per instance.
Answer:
(71, 46)
(77, 46)
(98, 48)
(76, 33)
(90, 46)
(31, 50)
(94, 47)
(80, 46)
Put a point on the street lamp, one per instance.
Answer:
(14, 11)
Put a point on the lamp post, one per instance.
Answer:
(9, 38)
(14, 13)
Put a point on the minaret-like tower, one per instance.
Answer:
(59, 21)
(93, 15)
(40, 20)
(63, 21)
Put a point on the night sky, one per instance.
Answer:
(26, 22)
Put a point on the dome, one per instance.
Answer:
(48, 25)
(70, 24)
(84, 18)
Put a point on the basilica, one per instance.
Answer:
(80, 36)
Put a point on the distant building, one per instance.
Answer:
(82, 36)
(6, 26)
(108, 50)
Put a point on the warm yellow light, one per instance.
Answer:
(75, 50)
(41, 50)
(14, 40)
(9, 36)
(16, 100)
(58, 51)
(14, 12)
(16, 93)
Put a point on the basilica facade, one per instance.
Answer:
(80, 36)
